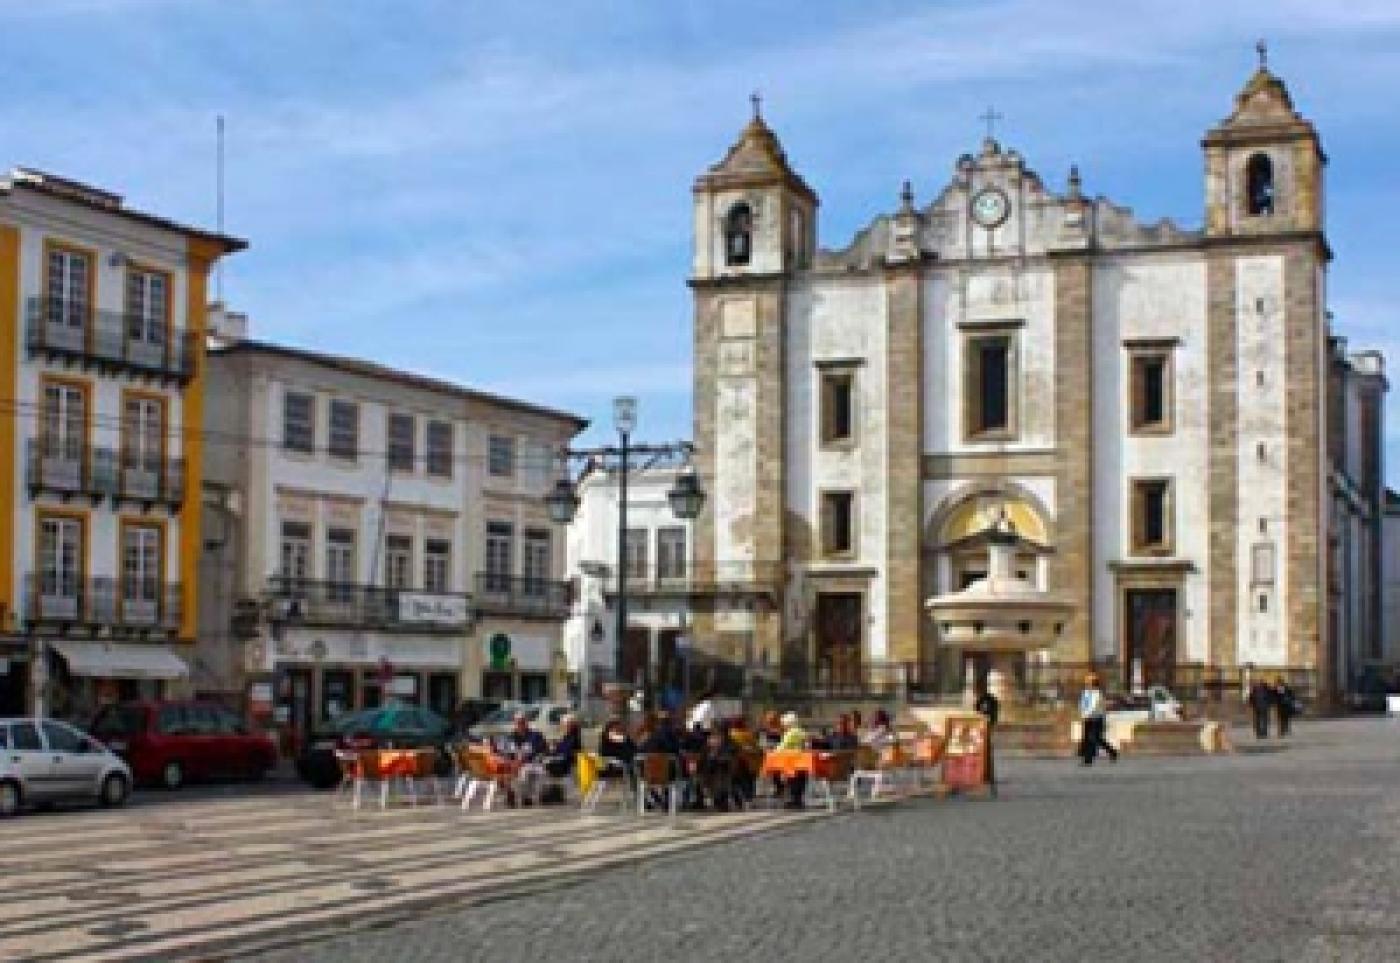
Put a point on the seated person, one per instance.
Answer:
(717, 770)
(523, 742)
(561, 761)
(661, 738)
(794, 738)
(844, 739)
(881, 732)
(770, 730)
(617, 750)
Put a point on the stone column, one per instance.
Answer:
(904, 442)
(1073, 567)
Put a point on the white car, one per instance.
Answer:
(1157, 704)
(44, 760)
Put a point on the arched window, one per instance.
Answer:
(1259, 185)
(738, 235)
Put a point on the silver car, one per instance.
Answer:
(44, 760)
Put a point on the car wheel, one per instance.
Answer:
(173, 775)
(10, 799)
(114, 790)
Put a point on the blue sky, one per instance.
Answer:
(499, 193)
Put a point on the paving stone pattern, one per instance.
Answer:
(1286, 854)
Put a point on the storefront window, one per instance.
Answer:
(534, 686)
(337, 693)
(442, 693)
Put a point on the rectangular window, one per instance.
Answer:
(402, 428)
(61, 552)
(440, 449)
(340, 564)
(670, 552)
(1152, 519)
(501, 460)
(143, 433)
(1149, 381)
(634, 563)
(67, 284)
(147, 305)
(500, 555)
(535, 564)
(295, 557)
(398, 561)
(837, 407)
(141, 569)
(1262, 564)
(344, 440)
(989, 397)
(838, 523)
(63, 425)
(437, 564)
(299, 422)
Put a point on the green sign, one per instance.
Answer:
(499, 650)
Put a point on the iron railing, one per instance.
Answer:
(142, 604)
(96, 472)
(327, 603)
(75, 330)
(518, 595)
(700, 578)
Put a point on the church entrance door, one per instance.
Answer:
(1152, 634)
(838, 637)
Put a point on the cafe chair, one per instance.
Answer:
(831, 778)
(482, 777)
(351, 771)
(425, 770)
(877, 769)
(660, 773)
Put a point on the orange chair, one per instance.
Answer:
(659, 772)
(485, 776)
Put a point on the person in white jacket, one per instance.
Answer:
(1092, 723)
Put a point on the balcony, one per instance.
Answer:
(78, 606)
(702, 579)
(524, 597)
(96, 473)
(292, 601)
(74, 333)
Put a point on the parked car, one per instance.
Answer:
(387, 727)
(44, 760)
(546, 717)
(171, 743)
(1157, 704)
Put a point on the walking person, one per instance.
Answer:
(990, 706)
(1286, 703)
(1092, 724)
(1261, 702)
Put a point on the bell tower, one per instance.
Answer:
(1263, 163)
(753, 214)
(755, 227)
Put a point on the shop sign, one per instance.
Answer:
(967, 752)
(498, 651)
(422, 607)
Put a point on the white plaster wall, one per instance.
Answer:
(1151, 298)
(592, 538)
(39, 218)
(1259, 284)
(842, 320)
(956, 303)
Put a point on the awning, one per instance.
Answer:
(120, 660)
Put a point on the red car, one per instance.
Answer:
(170, 743)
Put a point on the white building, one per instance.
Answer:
(658, 580)
(102, 376)
(1149, 404)
(384, 530)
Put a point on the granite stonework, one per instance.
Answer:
(1073, 286)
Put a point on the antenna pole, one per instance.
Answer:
(219, 205)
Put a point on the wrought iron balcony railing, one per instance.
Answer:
(76, 331)
(524, 596)
(296, 601)
(701, 578)
(133, 605)
(75, 469)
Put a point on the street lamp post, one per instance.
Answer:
(685, 497)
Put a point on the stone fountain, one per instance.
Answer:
(1002, 616)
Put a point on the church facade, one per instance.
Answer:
(1148, 405)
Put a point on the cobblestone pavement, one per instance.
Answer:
(225, 869)
(1292, 853)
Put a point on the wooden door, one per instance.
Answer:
(1152, 632)
(839, 617)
